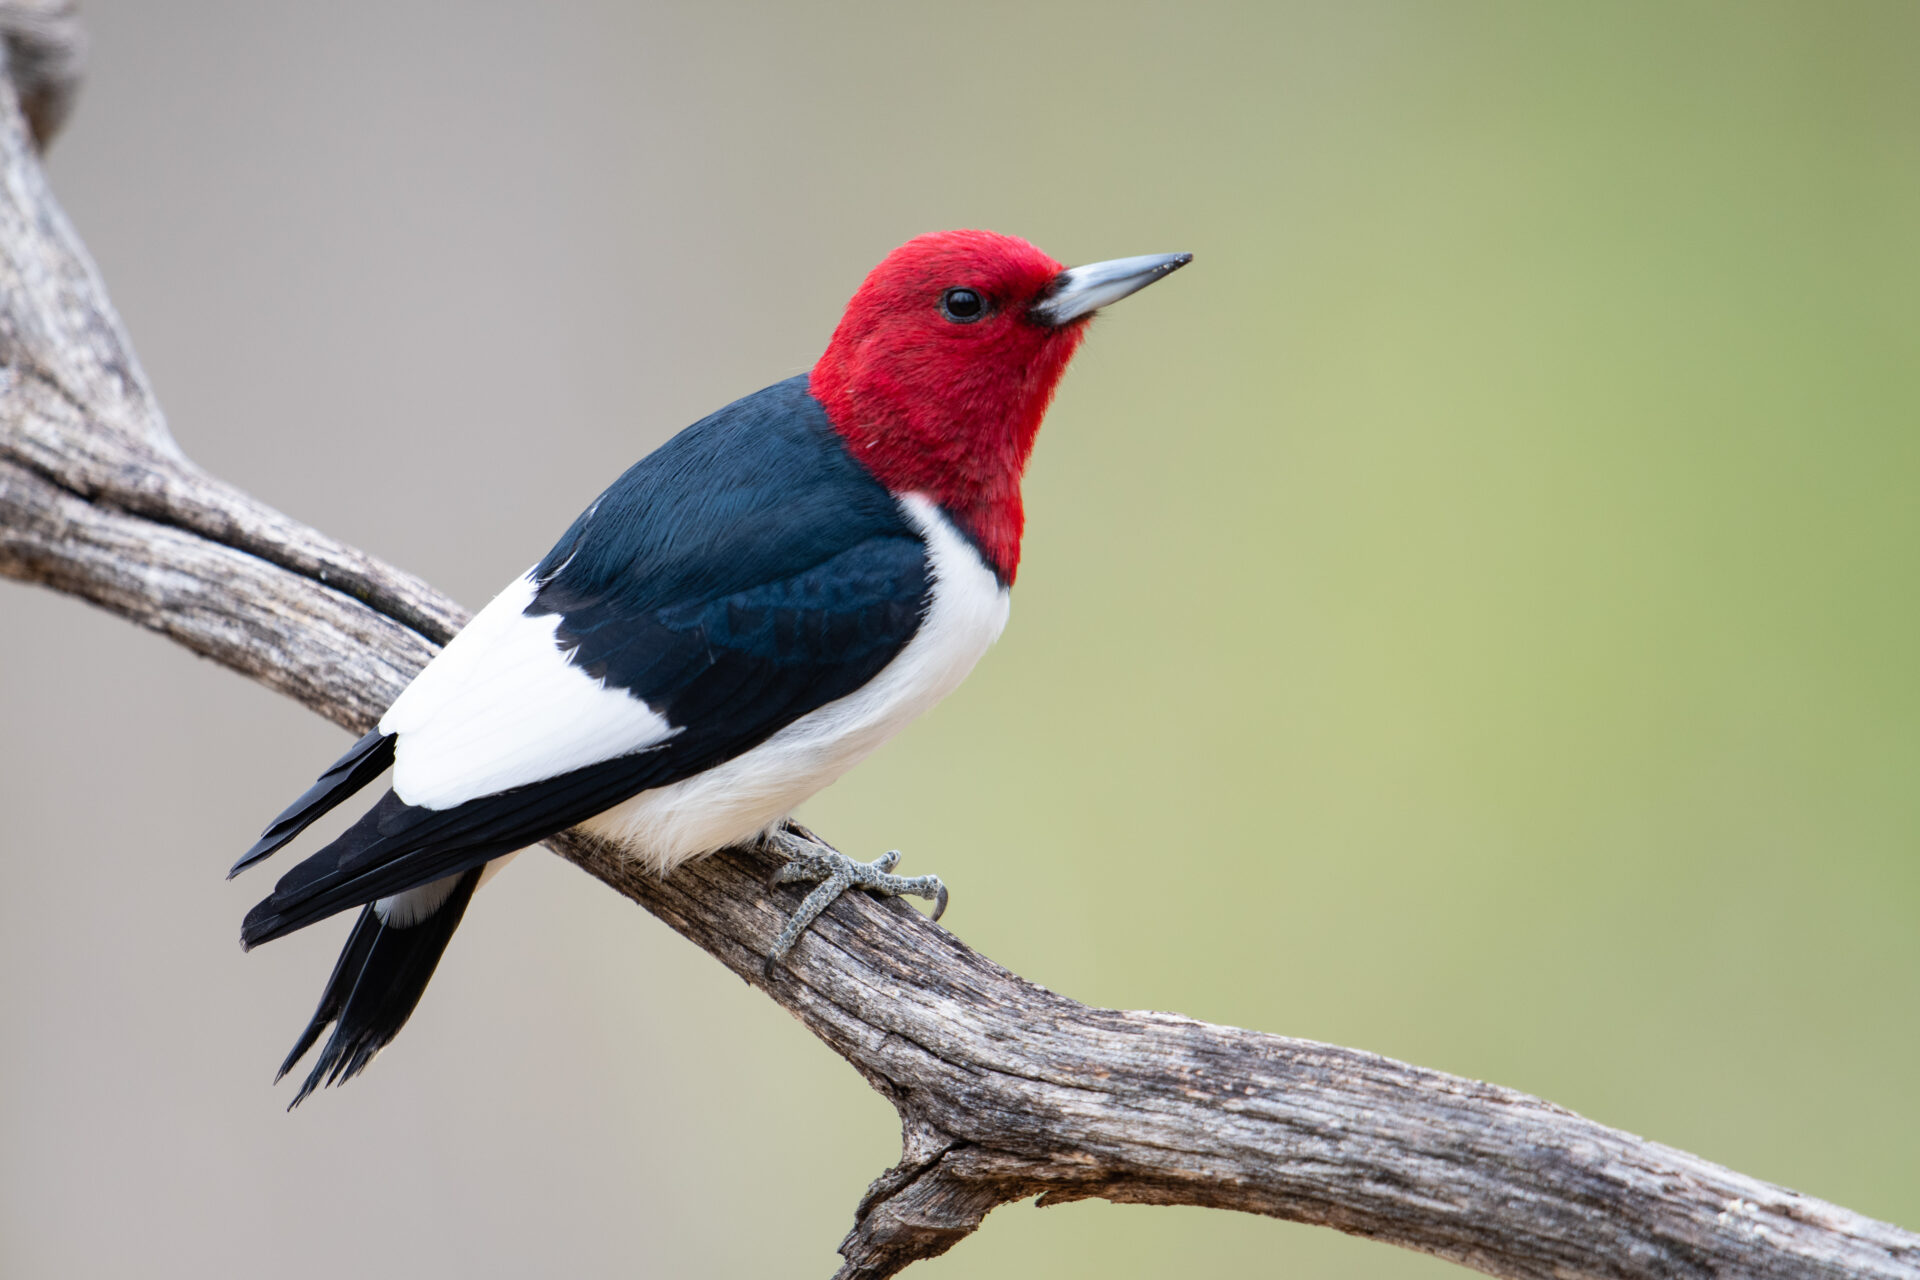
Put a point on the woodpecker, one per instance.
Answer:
(739, 619)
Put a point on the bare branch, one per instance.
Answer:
(1005, 1089)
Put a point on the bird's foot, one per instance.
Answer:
(837, 873)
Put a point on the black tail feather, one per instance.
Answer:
(375, 986)
(346, 971)
(359, 867)
(366, 760)
(396, 846)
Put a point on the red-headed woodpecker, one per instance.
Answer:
(737, 621)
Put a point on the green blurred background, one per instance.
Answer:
(1470, 614)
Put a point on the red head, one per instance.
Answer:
(945, 360)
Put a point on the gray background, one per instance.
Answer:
(1469, 614)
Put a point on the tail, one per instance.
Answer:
(395, 946)
(393, 950)
(411, 870)
(366, 760)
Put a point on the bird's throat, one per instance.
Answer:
(960, 435)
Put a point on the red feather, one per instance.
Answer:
(942, 408)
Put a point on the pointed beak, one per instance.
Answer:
(1078, 291)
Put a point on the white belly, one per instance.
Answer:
(755, 791)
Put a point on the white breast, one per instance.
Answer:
(755, 791)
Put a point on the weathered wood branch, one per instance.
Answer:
(1005, 1089)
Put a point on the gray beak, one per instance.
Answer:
(1080, 290)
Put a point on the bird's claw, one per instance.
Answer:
(837, 873)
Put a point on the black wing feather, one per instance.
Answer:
(364, 761)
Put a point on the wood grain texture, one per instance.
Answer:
(1005, 1090)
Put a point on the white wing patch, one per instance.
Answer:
(502, 707)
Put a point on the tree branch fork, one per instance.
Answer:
(1005, 1090)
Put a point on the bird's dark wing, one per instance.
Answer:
(366, 760)
(743, 575)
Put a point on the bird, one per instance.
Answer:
(736, 621)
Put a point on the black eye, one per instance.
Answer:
(962, 306)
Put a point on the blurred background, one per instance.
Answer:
(1470, 614)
